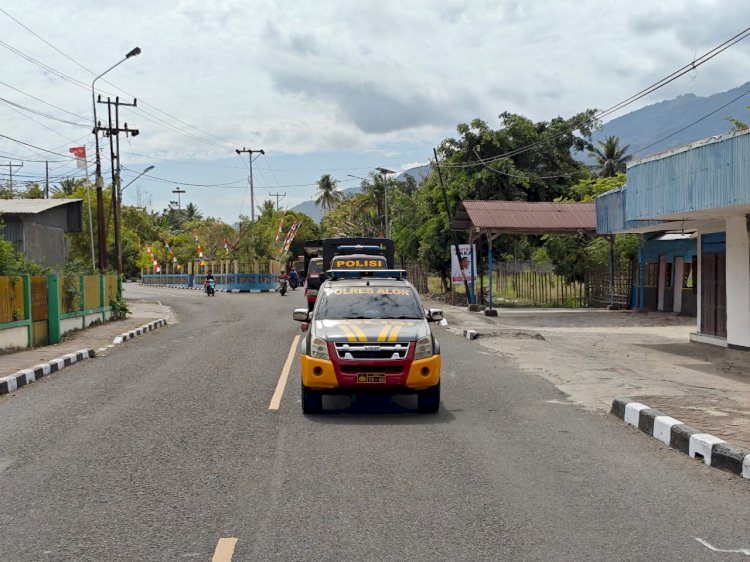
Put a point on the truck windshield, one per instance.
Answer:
(368, 302)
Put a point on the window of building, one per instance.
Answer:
(652, 274)
(688, 281)
(668, 275)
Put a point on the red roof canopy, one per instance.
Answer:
(522, 217)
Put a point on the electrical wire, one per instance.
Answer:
(43, 101)
(620, 105)
(707, 115)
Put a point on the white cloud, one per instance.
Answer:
(323, 77)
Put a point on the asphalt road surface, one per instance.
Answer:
(165, 449)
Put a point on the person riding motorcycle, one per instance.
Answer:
(209, 277)
(283, 280)
(293, 279)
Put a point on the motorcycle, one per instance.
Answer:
(282, 287)
(293, 283)
(211, 288)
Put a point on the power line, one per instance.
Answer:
(42, 101)
(707, 115)
(620, 105)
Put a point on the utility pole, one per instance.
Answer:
(114, 146)
(277, 195)
(46, 179)
(10, 170)
(250, 153)
(179, 191)
(453, 232)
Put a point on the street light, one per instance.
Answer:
(101, 235)
(384, 172)
(147, 170)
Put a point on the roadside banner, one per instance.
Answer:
(465, 266)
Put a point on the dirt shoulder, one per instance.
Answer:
(595, 356)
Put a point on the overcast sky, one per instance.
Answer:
(330, 87)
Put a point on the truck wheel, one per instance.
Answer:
(312, 401)
(428, 400)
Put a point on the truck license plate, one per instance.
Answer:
(371, 378)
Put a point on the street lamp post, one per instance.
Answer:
(118, 213)
(384, 172)
(101, 235)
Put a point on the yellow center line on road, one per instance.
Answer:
(279, 392)
(224, 550)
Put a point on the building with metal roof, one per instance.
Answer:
(702, 189)
(38, 227)
(522, 217)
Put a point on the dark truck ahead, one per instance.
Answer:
(320, 254)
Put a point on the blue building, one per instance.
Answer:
(701, 190)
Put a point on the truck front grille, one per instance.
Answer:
(372, 350)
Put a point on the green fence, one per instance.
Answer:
(39, 310)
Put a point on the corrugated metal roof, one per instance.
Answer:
(31, 206)
(522, 217)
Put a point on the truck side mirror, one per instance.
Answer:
(301, 315)
(434, 315)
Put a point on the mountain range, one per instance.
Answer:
(654, 128)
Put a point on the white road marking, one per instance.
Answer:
(224, 550)
(279, 392)
(745, 551)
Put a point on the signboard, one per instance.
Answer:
(466, 263)
(359, 262)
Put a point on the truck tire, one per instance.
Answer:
(312, 401)
(428, 400)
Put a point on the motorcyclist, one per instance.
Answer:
(209, 277)
(283, 281)
(293, 278)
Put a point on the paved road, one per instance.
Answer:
(167, 445)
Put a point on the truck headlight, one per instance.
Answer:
(319, 348)
(424, 348)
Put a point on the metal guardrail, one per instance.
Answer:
(235, 282)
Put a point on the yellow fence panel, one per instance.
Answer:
(91, 290)
(11, 299)
(110, 288)
(39, 305)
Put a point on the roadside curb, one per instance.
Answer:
(138, 331)
(25, 376)
(714, 451)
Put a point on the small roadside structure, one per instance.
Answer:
(38, 227)
(701, 189)
(493, 218)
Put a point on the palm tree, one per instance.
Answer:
(610, 157)
(328, 193)
(192, 212)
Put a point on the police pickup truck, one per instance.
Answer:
(369, 333)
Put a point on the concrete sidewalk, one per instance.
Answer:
(94, 337)
(595, 356)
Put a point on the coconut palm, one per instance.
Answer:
(610, 157)
(328, 193)
(192, 212)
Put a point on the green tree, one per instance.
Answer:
(611, 158)
(328, 193)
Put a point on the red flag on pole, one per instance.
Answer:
(80, 153)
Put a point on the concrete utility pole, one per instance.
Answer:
(10, 171)
(384, 172)
(114, 146)
(277, 195)
(179, 191)
(250, 153)
(101, 232)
